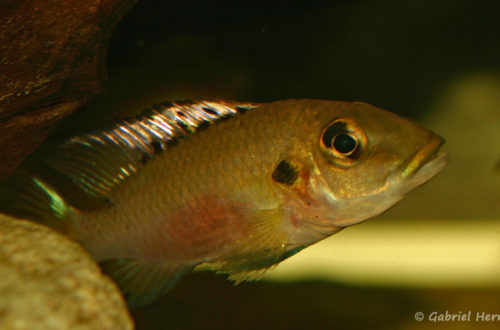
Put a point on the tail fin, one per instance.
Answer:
(30, 197)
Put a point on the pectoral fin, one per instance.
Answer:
(261, 249)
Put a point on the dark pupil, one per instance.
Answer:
(344, 143)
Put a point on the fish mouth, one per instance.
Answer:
(427, 154)
(426, 163)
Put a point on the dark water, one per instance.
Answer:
(395, 54)
(202, 301)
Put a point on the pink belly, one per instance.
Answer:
(200, 231)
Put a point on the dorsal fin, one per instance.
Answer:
(99, 160)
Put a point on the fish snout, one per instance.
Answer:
(425, 155)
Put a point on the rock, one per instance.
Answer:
(52, 62)
(50, 282)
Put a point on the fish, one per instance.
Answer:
(237, 186)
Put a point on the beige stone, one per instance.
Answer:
(49, 282)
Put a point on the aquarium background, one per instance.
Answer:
(435, 61)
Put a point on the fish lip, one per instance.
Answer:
(426, 163)
(429, 169)
(425, 155)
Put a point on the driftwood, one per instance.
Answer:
(52, 62)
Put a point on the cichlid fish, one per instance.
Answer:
(237, 186)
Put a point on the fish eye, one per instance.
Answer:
(345, 143)
(343, 140)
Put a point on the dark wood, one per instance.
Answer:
(52, 62)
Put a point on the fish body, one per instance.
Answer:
(244, 187)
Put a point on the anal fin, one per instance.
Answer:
(143, 282)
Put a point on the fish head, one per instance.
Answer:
(365, 160)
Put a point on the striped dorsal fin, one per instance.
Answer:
(99, 160)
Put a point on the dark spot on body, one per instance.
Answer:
(241, 110)
(182, 125)
(157, 147)
(181, 114)
(285, 173)
(210, 111)
(203, 125)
